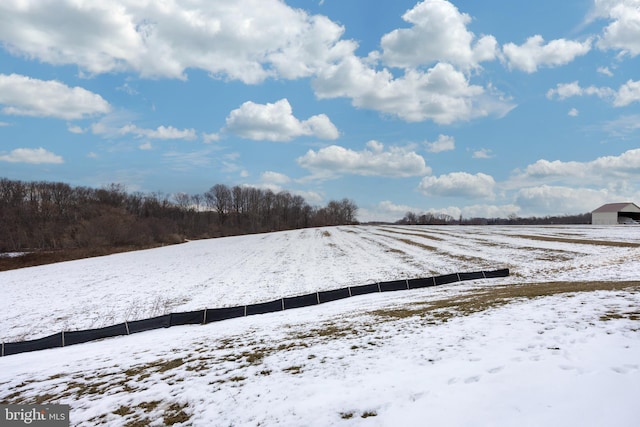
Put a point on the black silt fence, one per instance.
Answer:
(395, 285)
(52, 341)
(364, 289)
(446, 279)
(424, 282)
(265, 307)
(496, 273)
(78, 337)
(471, 276)
(218, 314)
(210, 315)
(301, 301)
(187, 318)
(334, 295)
(149, 324)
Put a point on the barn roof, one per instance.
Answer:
(616, 207)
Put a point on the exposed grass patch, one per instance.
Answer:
(346, 415)
(553, 256)
(9, 399)
(325, 233)
(44, 398)
(577, 241)
(56, 376)
(294, 370)
(149, 406)
(94, 388)
(254, 357)
(417, 244)
(417, 234)
(396, 251)
(170, 364)
(328, 330)
(611, 315)
(175, 414)
(201, 366)
(458, 257)
(123, 411)
(463, 305)
(367, 414)
(138, 422)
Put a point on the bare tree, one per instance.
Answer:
(219, 198)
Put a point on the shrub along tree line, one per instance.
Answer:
(45, 216)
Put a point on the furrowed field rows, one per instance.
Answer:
(568, 308)
(248, 269)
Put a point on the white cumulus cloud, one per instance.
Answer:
(246, 40)
(441, 93)
(459, 184)
(605, 70)
(489, 211)
(483, 153)
(271, 177)
(534, 53)
(628, 93)
(75, 129)
(438, 34)
(31, 155)
(559, 200)
(603, 171)
(443, 143)
(335, 160)
(242, 40)
(623, 31)
(210, 137)
(276, 122)
(25, 96)
(161, 132)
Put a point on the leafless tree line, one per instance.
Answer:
(54, 215)
(412, 218)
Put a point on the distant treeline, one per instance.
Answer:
(54, 215)
(412, 218)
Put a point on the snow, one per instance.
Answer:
(570, 359)
(12, 254)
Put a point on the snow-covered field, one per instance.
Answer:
(556, 343)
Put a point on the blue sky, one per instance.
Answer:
(467, 108)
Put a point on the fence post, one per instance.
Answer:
(245, 311)
(63, 338)
(433, 278)
(318, 297)
(282, 301)
(483, 275)
(126, 325)
(407, 282)
(379, 287)
(2, 348)
(349, 287)
(204, 320)
(458, 275)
